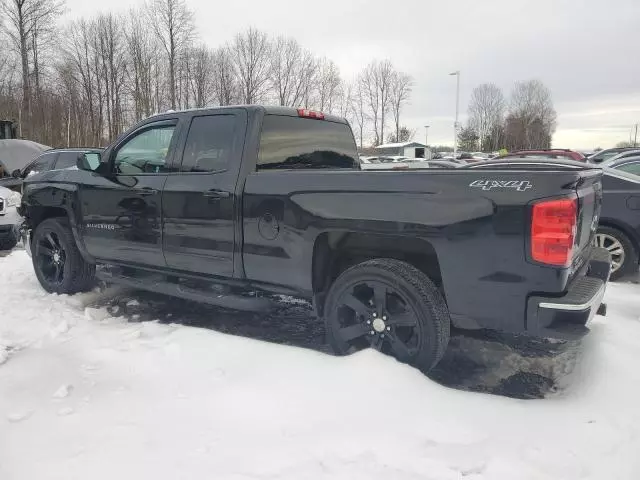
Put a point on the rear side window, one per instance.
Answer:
(67, 160)
(302, 143)
(209, 144)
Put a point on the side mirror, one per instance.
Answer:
(16, 173)
(88, 161)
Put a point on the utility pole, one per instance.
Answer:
(426, 140)
(455, 123)
(635, 137)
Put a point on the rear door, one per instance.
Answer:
(122, 210)
(200, 202)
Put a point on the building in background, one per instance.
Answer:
(404, 149)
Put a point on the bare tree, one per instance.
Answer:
(400, 92)
(376, 83)
(486, 114)
(226, 88)
(172, 22)
(26, 20)
(250, 52)
(290, 70)
(201, 75)
(143, 59)
(112, 54)
(532, 108)
(328, 84)
(359, 107)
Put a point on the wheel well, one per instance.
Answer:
(37, 215)
(626, 230)
(334, 252)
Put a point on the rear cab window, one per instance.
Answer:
(288, 143)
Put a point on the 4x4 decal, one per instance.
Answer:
(519, 185)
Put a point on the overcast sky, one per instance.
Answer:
(586, 51)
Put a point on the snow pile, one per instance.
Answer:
(84, 395)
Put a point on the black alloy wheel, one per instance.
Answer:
(372, 314)
(51, 258)
(390, 306)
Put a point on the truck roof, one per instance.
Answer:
(267, 109)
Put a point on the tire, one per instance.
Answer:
(621, 249)
(8, 242)
(57, 261)
(398, 303)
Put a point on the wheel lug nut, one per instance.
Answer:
(375, 314)
(372, 332)
(368, 322)
(384, 318)
(388, 329)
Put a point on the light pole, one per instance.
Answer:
(426, 140)
(455, 123)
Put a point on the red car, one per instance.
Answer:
(553, 153)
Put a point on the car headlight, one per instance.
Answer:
(14, 199)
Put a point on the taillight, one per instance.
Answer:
(553, 231)
(303, 112)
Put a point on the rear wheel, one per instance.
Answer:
(390, 306)
(57, 261)
(624, 257)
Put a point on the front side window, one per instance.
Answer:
(146, 152)
(209, 144)
(302, 143)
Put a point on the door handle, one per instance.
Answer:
(216, 194)
(147, 191)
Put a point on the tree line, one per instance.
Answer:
(84, 83)
(526, 121)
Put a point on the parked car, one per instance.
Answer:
(230, 205)
(442, 164)
(608, 153)
(15, 155)
(551, 154)
(626, 164)
(621, 156)
(9, 219)
(618, 230)
(54, 159)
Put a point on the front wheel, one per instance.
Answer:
(390, 306)
(57, 261)
(624, 257)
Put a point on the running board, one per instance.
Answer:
(157, 284)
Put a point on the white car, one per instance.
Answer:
(9, 219)
(382, 163)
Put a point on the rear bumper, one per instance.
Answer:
(567, 317)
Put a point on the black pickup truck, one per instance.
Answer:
(235, 205)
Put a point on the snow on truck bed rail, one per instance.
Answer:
(84, 395)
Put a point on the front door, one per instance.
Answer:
(200, 202)
(122, 210)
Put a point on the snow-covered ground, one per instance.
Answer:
(88, 394)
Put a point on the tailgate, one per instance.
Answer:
(589, 190)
